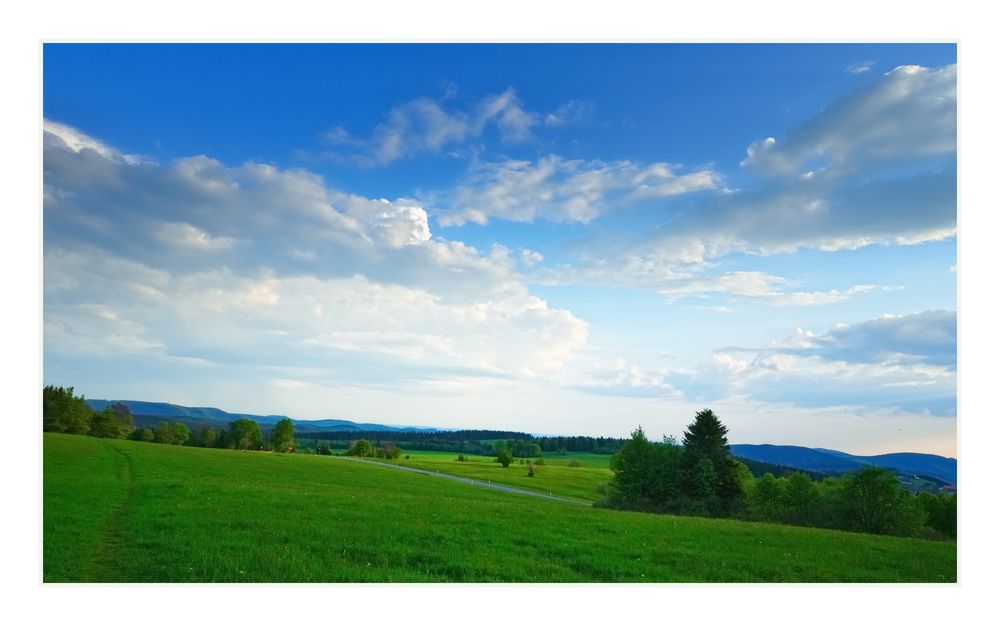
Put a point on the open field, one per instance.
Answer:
(119, 510)
(586, 459)
(584, 483)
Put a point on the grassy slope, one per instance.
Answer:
(192, 514)
(83, 483)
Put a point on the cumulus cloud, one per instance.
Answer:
(269, 268)
(252, 215)
(560, 190)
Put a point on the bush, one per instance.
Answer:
(539, 461)
(142, 434)
(574, 463)
(504, 457)
(361, 447)
(941, 513)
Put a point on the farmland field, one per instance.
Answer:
(118, 510)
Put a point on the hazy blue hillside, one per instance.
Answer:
(151, 413)
(941, 467)
(824, 460)
(795, 456)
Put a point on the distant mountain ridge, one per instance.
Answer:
(150, 413)
(833, 461)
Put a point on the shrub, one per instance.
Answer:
(361, 447)
(504, 457)
(574, 463)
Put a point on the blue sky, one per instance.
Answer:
(551, 238)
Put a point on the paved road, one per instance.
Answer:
(461, 479)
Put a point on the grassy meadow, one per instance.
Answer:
(555, 477)
(125, 511)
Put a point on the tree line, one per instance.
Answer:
(64, 412)
(698, 476)
(471, 441)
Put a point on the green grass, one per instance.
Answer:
(586, 459)
(131, 511)
(428, 455)
(582, 483)
(84, 482)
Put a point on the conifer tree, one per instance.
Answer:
(705, 443)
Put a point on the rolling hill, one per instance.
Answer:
(836, 462)
(151, 413)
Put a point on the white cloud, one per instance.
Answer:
(352, 329)
(676, 281)
(76, 141)
(507, 112)
(877, 166)
(929, 337)
(862, 67)
(425, 125)
(758, 287)
(572, 113)
(268, 269)
(531, 257)
(622, 378)
(187, 236)
(909, 112)
(901, 362)
(253, 215)
(561, 190)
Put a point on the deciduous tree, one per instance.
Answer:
(504, 456)
(244, 434)
(283, 436)
(362, 448)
